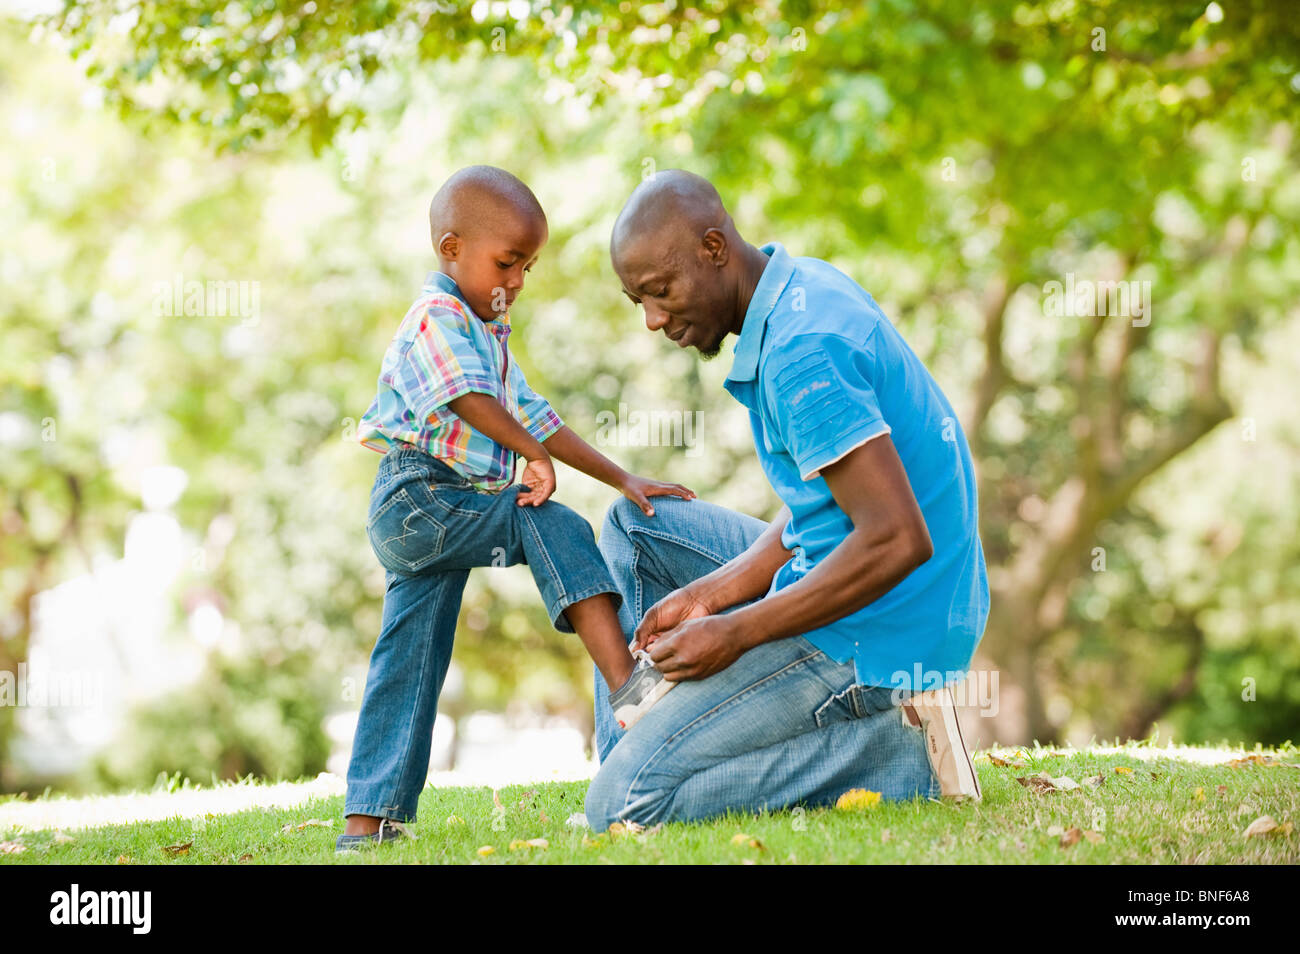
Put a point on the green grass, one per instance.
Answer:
(1153, 815)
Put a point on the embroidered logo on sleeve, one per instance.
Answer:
(809, 394)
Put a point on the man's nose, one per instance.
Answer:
(655, 318)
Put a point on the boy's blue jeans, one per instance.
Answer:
(783, 725)
(428, 527)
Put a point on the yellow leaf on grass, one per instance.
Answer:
(857, 799)
(520, 844)
(454, 820)
(486, 850)
(1123, 770)
(181, 849)
(1199, 794)
(742, 839)
(1070, 837)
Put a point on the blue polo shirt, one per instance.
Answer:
(822, 371)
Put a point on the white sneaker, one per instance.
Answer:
(936, 713)
(643, 689)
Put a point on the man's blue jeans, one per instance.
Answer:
(784, 725)
(428, 526)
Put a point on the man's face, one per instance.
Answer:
(682, 292)
(491, 262)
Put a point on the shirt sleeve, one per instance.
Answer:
(535, 412)
(440, 364)
(822, 400)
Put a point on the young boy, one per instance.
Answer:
(452, 413)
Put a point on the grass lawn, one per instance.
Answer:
(1175, 805)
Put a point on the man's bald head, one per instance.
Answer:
(675, 205)
(480, 198)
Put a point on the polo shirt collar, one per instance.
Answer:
(780, 267)
(437, 281)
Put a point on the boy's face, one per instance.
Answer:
(489, 263)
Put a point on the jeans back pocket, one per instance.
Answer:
(405, 537)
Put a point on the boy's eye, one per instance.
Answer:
(503, 264)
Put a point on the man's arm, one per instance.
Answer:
(888, 541)
(745, 577)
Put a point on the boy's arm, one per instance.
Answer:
(567, 446)
(486, 414)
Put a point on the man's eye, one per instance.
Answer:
(503, 264)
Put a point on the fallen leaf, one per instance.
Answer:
(1123, 770)
(1221, 790)
(1199, 794)
(616, 830)
(596, 842)
(633, 828)
(496, 799)
(541, 817)
(743, 839)
(857, 799)
(1042, 783)
(526, 799)
(454, 819)
(486, 850)
(1096, 781)
(520, 844)
(1263, 825)
(181, 849)
(1071, 837)
(123, 860)
(247, 856)
(309, 823)
(1006, 763)
(1094, 836)
(11, 848)
(886, 835)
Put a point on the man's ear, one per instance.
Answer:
(714, 248)
(449, 246)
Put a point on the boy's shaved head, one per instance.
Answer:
(478, 198)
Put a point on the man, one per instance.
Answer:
(811, 654)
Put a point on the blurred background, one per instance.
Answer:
(215, 217)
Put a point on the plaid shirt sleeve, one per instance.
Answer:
(535, 412)
(440, 364)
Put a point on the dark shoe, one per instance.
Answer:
(389, 830)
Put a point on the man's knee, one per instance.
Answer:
(610, 799)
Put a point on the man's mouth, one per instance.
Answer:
(677, 337)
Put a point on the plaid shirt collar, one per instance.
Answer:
(437, 281)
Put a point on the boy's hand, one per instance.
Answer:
(639, 490)
(539, 480)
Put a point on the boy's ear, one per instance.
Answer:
(448, 246)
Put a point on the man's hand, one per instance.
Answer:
(639, 490)
(671, 611)
(698, 648)
(539, 478)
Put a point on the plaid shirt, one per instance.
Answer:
(441, 351)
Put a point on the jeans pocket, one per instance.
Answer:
(840, 707)
(404, 537)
